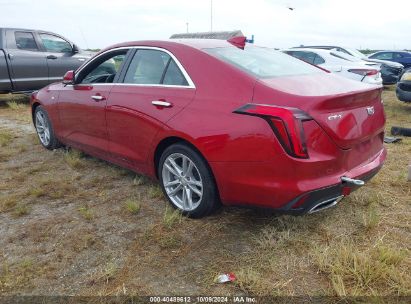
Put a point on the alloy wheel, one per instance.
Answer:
(42, 128)
(182, 182)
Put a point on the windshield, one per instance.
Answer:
(263, 62)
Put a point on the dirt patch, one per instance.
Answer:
(75, 225)
(15, 125)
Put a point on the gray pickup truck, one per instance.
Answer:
(31, 59)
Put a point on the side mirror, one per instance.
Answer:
(75, 49)
(68, 78)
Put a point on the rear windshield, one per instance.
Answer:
(263, 62)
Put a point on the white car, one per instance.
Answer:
(340, 63)
(355, 53)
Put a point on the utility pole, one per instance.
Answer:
(211, 15)
(187, 26)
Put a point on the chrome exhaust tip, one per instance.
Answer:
(356, 182)
(326, 204)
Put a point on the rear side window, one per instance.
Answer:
(310, 57)
(263, 62)
(55, 44)
(306, 56)
(173, 75)
(319, 60)
(154, 67)
(382, 56)
(25, 41)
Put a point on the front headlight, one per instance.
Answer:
(406, 76)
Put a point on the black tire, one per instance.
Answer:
(209, 200)
(53, 142)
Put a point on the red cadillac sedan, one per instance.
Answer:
(219, 122)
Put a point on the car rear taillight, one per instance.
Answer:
(286, 123)
(364, 72)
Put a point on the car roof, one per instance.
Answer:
(16, 29)
(327, 54)
(32, 30)
(328, 47)
(194, 43)
(389, 51)
(26, 30)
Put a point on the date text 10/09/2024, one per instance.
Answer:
(202, 299)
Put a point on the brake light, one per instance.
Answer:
(364, 72)
(286, 123)
(238, 41)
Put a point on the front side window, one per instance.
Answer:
(55, 44)
(154, 67)
(263, 62)
(25, 41)
(103, 69)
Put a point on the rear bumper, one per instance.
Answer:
(328, 196)
(277, 186)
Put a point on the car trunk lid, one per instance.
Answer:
(349, 112)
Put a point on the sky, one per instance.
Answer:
(96, 24)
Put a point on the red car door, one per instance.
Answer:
(82, 106)
(82, 115)
(155, 88)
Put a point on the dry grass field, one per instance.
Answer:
(71, 224)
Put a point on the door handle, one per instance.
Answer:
(161, 103)
(98, 97)
(51, 57)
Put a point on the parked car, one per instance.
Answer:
(401, 57)
(340, 63)
(404, 87)
(31, 59)
(390, 71)
(215, 122)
